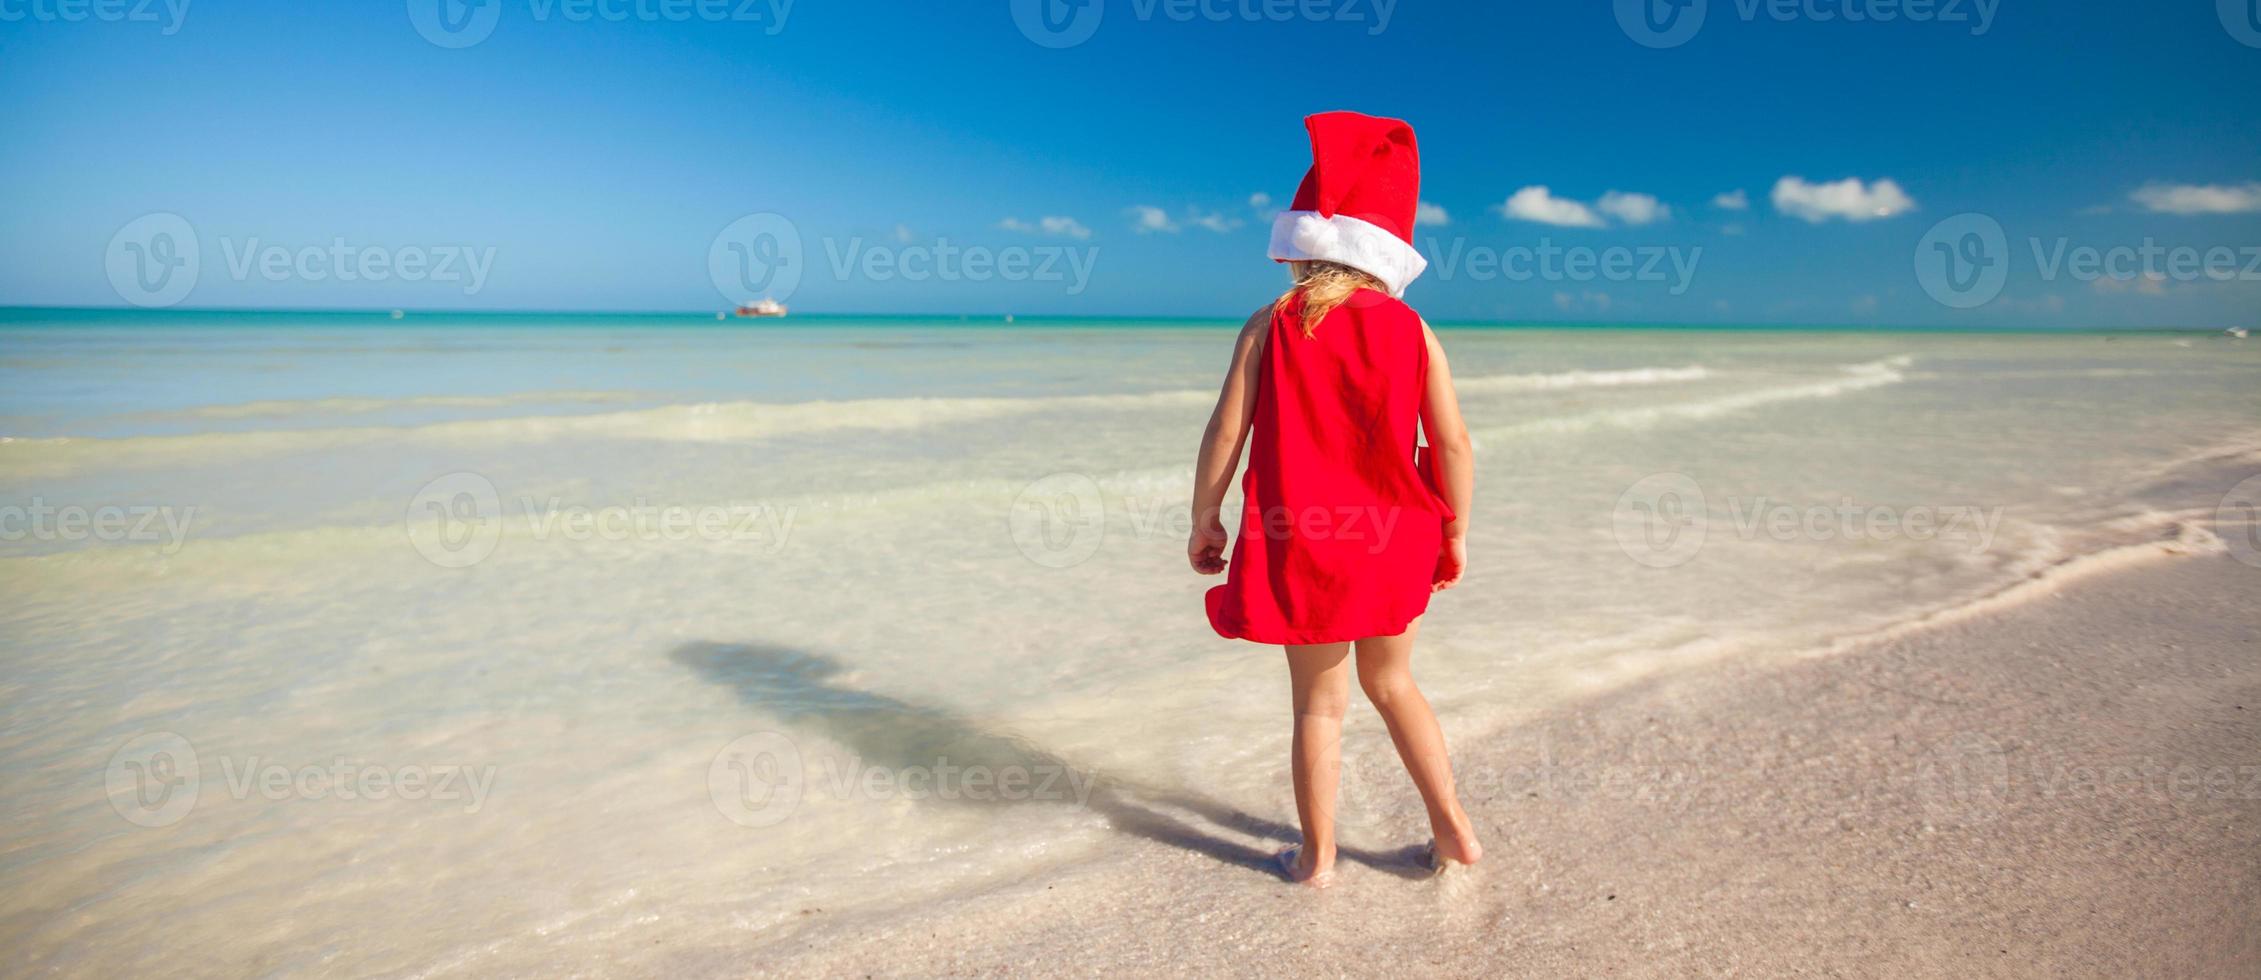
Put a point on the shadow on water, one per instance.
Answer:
(804, 691)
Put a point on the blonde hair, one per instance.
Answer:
(1323, 286)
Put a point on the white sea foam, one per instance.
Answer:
(290, 407)
(1581, 379)
(1852, 378)
(709, 422)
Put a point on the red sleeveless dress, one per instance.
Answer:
(1339, 527)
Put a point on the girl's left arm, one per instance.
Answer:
(1221, 444)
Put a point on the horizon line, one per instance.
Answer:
(722, 315)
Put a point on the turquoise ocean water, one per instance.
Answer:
(649, 586)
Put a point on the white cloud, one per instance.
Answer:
(1425, 213)
(1065, 226)
(1054, 225)
(2148, 284)
(1536, 204)
(1633, 209)
(1259, 200)
(2051, 303)
(1214, 222)
(2199, 198)
(1731, 228)
(1148, 218)
(903, 233)
(1734, 200)
(1849, 199)
(1588, 300)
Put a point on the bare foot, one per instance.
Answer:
(1300, 866)
(1456, 841)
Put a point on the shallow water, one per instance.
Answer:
(650, 628)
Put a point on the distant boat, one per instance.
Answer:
(767, 307)
(2238, 332)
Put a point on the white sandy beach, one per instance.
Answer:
(2068, 786)
(482, 646)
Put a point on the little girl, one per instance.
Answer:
(1345, 530)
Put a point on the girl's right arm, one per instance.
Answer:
(1221, 444)
(1456, 461)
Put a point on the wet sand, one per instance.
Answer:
(2066, 785)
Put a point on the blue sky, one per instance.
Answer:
(587, 155)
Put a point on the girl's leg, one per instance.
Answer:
(1385, 670)
(1320, 679)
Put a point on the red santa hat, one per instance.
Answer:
(1356, 204)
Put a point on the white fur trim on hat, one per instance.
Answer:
(1308, 236)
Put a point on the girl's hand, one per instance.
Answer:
(1205, 549)
(1452, 560)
